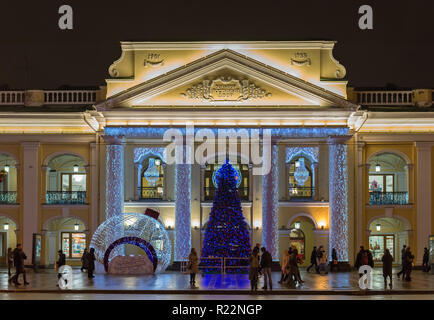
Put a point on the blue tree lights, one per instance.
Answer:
(227, 233)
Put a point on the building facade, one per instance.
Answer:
(349, 166)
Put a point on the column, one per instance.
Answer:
(423, 198)
(182, 211)
(114, 176)
(270, 204)
(338, 197)
(359, 194)
(137, 181)
(30, 196)
(315, 189)
(94, 185)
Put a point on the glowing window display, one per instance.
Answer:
(73, 244)
(378, 243)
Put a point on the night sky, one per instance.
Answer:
(36, 54)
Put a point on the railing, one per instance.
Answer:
(301, 193)
(220, 266)
(51, 97)
(150, 193)
(12, 97)
(8, 197)
(385, 97)
(66, 197)
(243, 193)
(376, 197)
(69, 96)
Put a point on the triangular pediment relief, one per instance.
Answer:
(224, 78)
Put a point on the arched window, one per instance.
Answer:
(300, 179)
(152, 178)
(8, 179)
(388, 179)
(297, 240)
(66, 180)
(242, 180)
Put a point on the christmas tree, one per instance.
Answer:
(227, 233)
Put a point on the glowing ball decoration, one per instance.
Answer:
(137, 226)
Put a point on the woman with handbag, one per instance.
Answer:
(193, 267)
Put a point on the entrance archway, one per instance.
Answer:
(8, 238)
(390, 233)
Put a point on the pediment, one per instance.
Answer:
(225, 78)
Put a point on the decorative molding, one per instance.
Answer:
(232, 60)
(153, 60)
(225, 89)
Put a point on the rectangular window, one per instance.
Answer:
(381, 183)
(73, 244)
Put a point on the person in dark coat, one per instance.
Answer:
(253, 270)
(84, 260)
(19, 257)
(409, 259)
(312, 260)
(387, 260)
(266, 262)
(91, 263)
(358, 262)
(425, 261)
(10, 261)
(403, 252)
(334, 262)
(60, 262)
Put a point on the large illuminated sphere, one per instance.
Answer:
(132, 225)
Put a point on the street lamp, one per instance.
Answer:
(378, 226)
(297, 225)
(76, 226)
(7, 168)
(75, 167)
(377, 167)
(6, 226)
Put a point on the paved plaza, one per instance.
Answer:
(176, 283)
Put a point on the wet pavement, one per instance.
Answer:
(341, 283)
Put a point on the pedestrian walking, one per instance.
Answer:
(90, 263)
(334, 262)
(60, 262)
(266, 262)
(425, 261)
(19, 257)
(284, 265)
(313, 260)
(84, 260)
(387, 260)
(403, 252)
(409, 264)
(193, 267)
(253, 270)
(10, 261)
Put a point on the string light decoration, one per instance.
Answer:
(132, 225)
(270, 205)
(283, 133)
(338, 186)
(114, 179)
(227, 233)
(182, 211)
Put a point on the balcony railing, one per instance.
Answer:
(385, 97)
(8, 197)
(301, 193)
(12, 97)
(150, 193)
(243, 193)
(66, 197)
(70, 96)
(378, 198)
